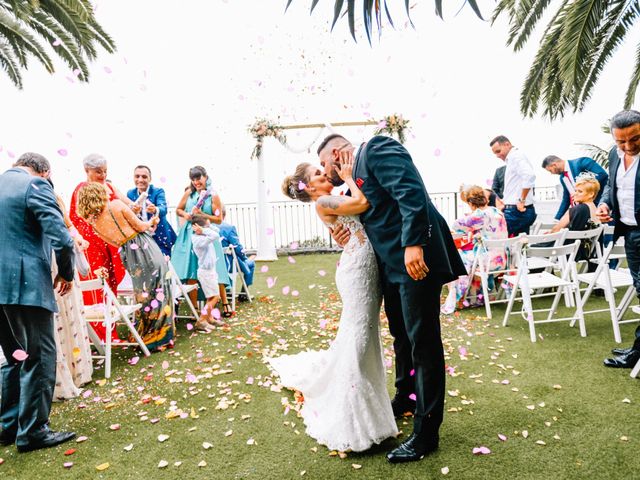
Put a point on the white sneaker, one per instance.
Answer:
(636, 309)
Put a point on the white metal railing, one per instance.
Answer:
(296, 224)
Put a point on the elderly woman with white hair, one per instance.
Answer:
(99, 254)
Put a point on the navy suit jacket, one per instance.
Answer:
(577, 166)
(32, 225)
(229, 236)
(401, 213)
(164, 235)
(610, 195)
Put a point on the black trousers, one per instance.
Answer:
(413, 311)
(27, 386)
(632, 249)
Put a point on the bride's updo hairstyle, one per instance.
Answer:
(292, 183)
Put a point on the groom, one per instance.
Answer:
(416, 256)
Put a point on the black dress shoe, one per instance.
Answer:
(621, 351)
(623, 361)
(402, 405)
(412, 449)
(7, 438)
(51, 439)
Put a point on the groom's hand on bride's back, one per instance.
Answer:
(414, 262)
(340, 234)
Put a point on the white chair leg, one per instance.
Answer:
(636, 370)
(485, 292)
(579, 311)
(556, 301)
(107, 350)
(528, 308)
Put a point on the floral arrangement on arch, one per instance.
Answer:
(394, 126)
(265, 128)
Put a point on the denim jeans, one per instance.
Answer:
(519, 222)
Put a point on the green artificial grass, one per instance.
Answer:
(581, 419)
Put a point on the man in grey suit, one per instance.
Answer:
(32, 226)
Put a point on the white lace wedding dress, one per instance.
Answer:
(346, 402)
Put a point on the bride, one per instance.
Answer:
(346, 402)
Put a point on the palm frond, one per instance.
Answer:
(630, 97)
(599, 154)
(9, 65)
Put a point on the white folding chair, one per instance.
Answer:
(233, 276)
(527, 282)
(545, 238)
(539, 226)
(110, 312)
(609, 280)
(181, 291)
(592, 236)
(480, 267)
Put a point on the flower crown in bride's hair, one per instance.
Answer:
(586, 176)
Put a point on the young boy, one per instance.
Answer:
(202, 241)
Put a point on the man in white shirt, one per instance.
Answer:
(621, 200)
(519, 180)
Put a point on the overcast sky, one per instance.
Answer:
(186, 82)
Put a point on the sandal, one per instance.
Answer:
(226, 310)
(203, 327)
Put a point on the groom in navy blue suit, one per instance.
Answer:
(32, 227)
(416, 256)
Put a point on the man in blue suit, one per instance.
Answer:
(568, 171)
(621, 201)
(32, 226)
(229, 236)
(155, 204)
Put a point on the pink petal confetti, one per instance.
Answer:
(412, 397)
(67, 464)
(77, 72)
(481, 451)
(114, 427)
(271, 282)
(302, 186)
(462, 351)
(62, 152)
(133, 246)
(147, 309)
(264, 269)
(295, 293)
(160, 296)
(134, 360)
(294, 245)
(249, 381)
(285, 290)
(189, 326)
(163, 179)
(322, 273)
(291, 259)
(20, 355)
(57, 42)
(502, 437)
(412, 372)
(269, 231)
(87, 394)
(107, 69)
(437, 152)
(165, 364)
(323, 323)
(154, 303)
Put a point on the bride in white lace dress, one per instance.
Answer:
(346, 402)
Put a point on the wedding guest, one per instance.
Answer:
(482, 223)
(74, 367)
(32, 226)
(115, 223)
(100, 254)
(203, 239)
(621, 200)
(155, 204)
(229, 237)
(568, 171)
(497, 185)
(519, 180)
(199, 198)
